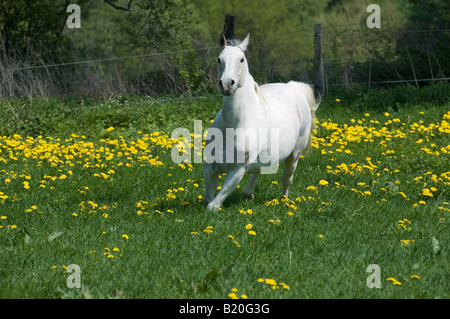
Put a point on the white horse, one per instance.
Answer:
(286, 109)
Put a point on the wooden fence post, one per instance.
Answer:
(318, 62)
(228, 29)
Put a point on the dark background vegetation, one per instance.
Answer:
(161, 47)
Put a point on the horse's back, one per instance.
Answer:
(292, 98)
(289, 93)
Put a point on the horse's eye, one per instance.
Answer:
(218, 60)
(242, 60)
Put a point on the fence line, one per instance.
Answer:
(271, 38)
(111, 59)
(286, 36)
(387, 82)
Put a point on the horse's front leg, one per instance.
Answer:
(211, 179)
(233, 179)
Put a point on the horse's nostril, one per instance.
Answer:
(220, 83)
(232, 82)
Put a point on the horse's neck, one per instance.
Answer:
(242, 105)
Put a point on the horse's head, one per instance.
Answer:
(232, 66)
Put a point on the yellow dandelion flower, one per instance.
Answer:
(270, 281)
(285, 286)
(233, 296)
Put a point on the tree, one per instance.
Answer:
(32, 27)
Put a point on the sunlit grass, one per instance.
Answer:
(374, 189)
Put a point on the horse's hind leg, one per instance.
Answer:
(290, 164)
(250, 188)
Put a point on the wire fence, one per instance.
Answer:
(374, 67)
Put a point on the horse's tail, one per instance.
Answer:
(313, 105)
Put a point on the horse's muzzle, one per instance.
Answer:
(225, 89)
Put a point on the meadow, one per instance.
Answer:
(92, 183)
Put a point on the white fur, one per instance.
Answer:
(288, 107)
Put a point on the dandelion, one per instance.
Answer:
(323, 182)
(248, 226)
(426, 192)
(233, 296)
(251, 232)
(415, 277)
(394, 281)
(271, 282)
(285, 286)
(406, 242)
(208, 230)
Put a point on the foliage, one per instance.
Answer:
(156, 47)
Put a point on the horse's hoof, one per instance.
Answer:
(212, 208)
(249, 196)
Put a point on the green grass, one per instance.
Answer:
(320, 246)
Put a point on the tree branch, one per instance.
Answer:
(119, 7)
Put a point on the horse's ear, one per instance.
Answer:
(223, 40)
(243, 45)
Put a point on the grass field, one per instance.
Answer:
(93, 184)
